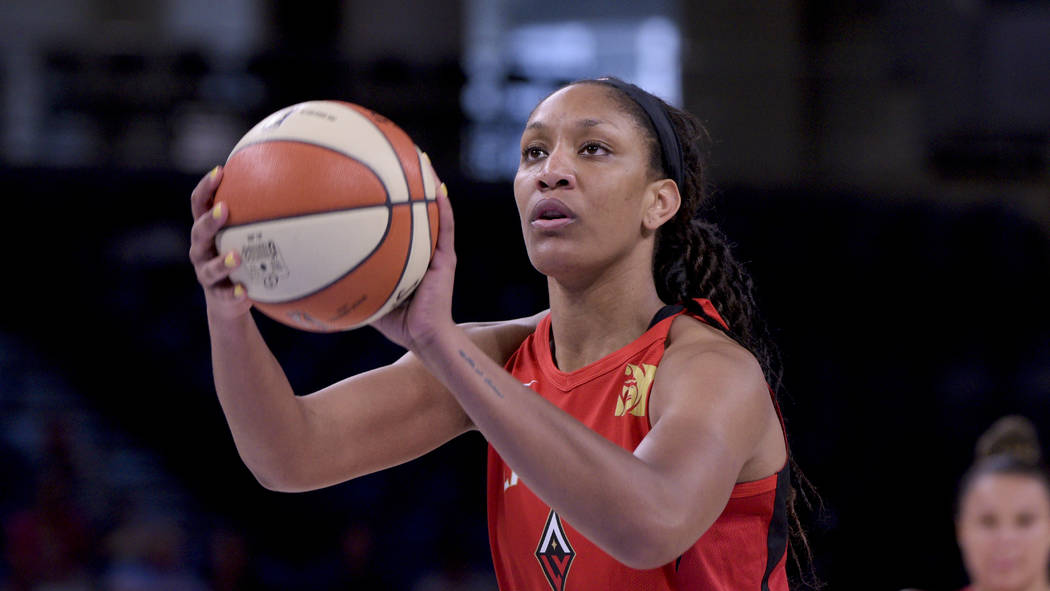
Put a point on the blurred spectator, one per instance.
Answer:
(230, 562)
(456, 572)
(357, 568)
(48, 543)
(148, 554)
(456, 577)
(1003, 512)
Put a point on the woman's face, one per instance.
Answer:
(1003, 530)
(583, 182)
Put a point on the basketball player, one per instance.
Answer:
(634, 442)
(1003, 515)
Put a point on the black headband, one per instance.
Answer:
(670, 147)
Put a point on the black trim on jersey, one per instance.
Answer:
(665, 312)
(776, 539)
(661, 314)
(694, 308)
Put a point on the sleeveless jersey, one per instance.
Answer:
(534, 549)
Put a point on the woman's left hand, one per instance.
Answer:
(428, 311)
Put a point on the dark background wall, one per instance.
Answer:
(883, 166)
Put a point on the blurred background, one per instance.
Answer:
(882, 165)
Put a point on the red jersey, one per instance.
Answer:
(533, 549)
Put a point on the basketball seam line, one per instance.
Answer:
(387, 206)
(404, 175)
(404, 264)
(379, 243)
(386, 191)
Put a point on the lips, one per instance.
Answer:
(550, 213)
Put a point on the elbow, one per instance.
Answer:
(273, 481)
(284, 481)
(294, 472)
(277, 474)
(652, 544)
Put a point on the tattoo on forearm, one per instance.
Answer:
(481, 374)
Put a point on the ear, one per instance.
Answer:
(662, 203)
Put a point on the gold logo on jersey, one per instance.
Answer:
(634, 397)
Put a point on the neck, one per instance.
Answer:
(606, 313)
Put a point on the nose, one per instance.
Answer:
(557, 171)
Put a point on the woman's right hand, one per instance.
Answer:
(224, 299)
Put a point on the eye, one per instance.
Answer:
(532, 153)
(593, 149)
(988, 521)
(1025, 520)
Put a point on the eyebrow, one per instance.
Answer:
(585, 123)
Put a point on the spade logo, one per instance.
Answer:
(555, 553)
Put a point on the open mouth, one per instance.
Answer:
(550, 213)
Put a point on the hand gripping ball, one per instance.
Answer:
(333, 210)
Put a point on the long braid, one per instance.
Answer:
(707, 267)
(693, 258)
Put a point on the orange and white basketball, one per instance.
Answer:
(332, 209)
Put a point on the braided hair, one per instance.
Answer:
(693, 258)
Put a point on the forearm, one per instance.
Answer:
(261, 409)
(591, 482)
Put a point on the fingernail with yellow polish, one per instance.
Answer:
(425, 158)
(230, 260)
(213, 172)
(216, 212)
(444, 190)
(238, 290)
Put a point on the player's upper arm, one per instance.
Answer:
(388, 415)
(711, 415)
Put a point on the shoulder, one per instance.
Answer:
(500, 339)
(702, 366)
(691, 342)
(713, 384)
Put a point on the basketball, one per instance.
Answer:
(332, 208)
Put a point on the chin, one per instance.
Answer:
(556, 263)
(552, 267)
